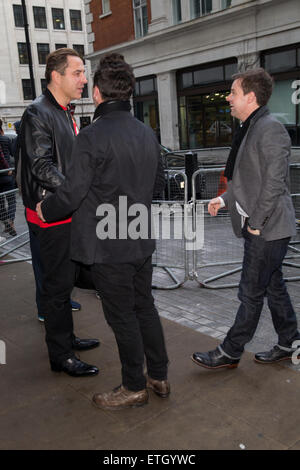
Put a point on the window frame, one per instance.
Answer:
(202, 11)
(36, 17)
(74, 21)
(27, 82)
(23, 44)
(20, 14)
(138, 10)
(39, 51)
(54, 22)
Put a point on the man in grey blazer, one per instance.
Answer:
(261, 212)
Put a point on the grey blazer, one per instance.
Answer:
(260, 182)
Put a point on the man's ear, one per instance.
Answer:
(252, 97)
(97, 95)
(55, 77)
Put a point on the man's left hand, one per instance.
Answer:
(253, 232)
(39, 211)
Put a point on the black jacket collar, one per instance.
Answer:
(52, 100)
(109, 106)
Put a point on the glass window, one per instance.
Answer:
(225, 4)
(200, 7)
(43, 84)
(43, 51)
(280, 61)
(145, 86)
(105, 6)
(140, 10)
(213, 74)
(39, 14)
(177, 15)
(230, 69)
(23, 56)
(298, 57)
(58, 18)
(75, 18)
(85, 93)
(18, 15)
(187, 79)
(27, 91)
(79, 48)
(60, 46)
(281, 105)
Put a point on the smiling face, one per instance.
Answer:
(241, 105)
(72, 82)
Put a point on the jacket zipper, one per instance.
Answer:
(71, 125)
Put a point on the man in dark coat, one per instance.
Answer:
(114, 170)
(46, 138)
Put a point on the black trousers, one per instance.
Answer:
(59, 274)
(37, 267)
(262, 276)
(129, 309)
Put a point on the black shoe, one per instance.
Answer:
(74, 367)
(84, 344)
(214, 360)
(274, 355)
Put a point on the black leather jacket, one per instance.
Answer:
(46, 140)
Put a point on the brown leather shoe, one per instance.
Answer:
(120, 398)
(160, 387)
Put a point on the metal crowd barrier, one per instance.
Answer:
(215, 245)
(14, 237)
(169, 222)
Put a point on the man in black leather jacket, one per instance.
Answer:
(117, 159)
(46, 138)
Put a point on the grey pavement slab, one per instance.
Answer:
(252, 407)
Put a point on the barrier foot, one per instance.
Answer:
(176, 284)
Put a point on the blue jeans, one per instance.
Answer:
(262, 276)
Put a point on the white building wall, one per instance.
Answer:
(12, 104)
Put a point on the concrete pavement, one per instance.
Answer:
(251, 407)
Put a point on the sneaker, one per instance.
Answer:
(75, 306)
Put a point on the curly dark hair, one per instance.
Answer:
(114, 78)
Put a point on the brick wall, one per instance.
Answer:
(115, 28)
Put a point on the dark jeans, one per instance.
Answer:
(262, 276)
(129, 309)
(58, 280)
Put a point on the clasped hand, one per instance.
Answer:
(38, 209)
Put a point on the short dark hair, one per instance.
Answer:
(114, 78)
(258, 81)
(58, 61)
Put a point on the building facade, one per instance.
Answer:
(52, 24)
(184, 53)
